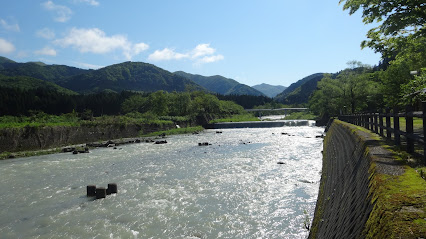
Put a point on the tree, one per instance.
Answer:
(135, 103)
(415, 90)
(157, 102)
(400, 20)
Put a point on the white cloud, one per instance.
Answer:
(166, 54)
(63, 13)
(46, 51)
(9, 27)
(140, 47)
(46, 33)
(202, 53)
(202, 50)
(90, 2)
(134, 50)
(6, 47)
(96, 41)
(210, 59)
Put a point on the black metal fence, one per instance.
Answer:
(379, 122)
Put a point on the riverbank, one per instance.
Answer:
(32, 141)
(367, 190)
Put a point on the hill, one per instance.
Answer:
(52, 73)
(300, 91)
(269, 90)
(5, 62)
(29, 83)
(136, 76)
(220, 84)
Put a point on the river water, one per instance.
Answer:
(233, 188)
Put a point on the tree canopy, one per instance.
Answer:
(400, 21)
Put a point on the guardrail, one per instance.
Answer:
(379, 122)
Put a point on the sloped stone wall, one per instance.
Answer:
(343, 205)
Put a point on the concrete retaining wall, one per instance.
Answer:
(343, 205)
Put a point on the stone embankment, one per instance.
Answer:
(353, 163)
(39, 138)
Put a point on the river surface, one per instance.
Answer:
(233, 188)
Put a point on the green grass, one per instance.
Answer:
(39, 120)
(400, 206)
(417, 123)
(42, 120)
(188, 130)
(236, 118)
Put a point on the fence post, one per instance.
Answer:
(397, 135)
(409, 128)
(381, 122)
(388, 124)
(357, 119)
(376, 128)
(367, 121)
(424, 131)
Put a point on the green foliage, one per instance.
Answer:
(400, 38)
(188, 130)
(414, 90)
(246, 101)
(135, 103)
(236, 118)
(399, 20)
(39, 119)
(352, 90)
(271, 105)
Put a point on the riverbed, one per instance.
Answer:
(248, 183)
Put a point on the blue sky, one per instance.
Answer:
(271, 41)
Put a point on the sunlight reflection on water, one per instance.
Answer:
(233, 188)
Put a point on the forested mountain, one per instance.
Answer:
(299, 92)
(220, 84)
(4, 62)
(269, 90)
(136, 76)
(39, 70)
(29, 83)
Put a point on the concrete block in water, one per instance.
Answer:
(112, 188)
(100, 193)
(91, 190)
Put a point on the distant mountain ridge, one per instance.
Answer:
(138, 76)
(300, 91)
(52, 73)
(220, 84)
(269, 90)
(134, 76)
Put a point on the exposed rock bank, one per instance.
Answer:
(38, 138)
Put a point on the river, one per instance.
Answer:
(233, 188)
